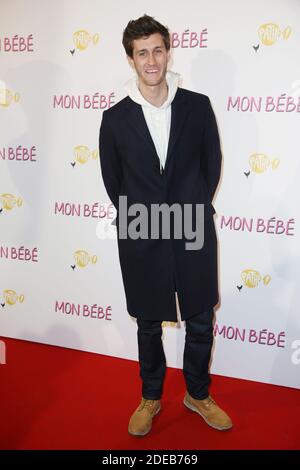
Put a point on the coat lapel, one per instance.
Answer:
(179, 111)
(137, 120)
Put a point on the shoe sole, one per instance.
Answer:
(193, 408)
(140, 434)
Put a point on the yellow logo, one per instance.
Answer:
(269, 33)
(252, 278)
(7, 97)
(82, 39)
(259, 162)
(82, 258)
(169, 323)
(11, 297)
(9, 201)
(82, 154)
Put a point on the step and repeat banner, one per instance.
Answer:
(62, 64)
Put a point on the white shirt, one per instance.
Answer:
(158, 119)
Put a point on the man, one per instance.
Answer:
(160, 145)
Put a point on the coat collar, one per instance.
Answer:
(179, 110)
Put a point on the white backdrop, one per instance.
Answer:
(62, 63)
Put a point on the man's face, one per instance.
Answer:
(150, 59)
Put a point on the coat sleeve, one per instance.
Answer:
(110, 162)
(211, 155)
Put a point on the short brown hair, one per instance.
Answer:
(143, 27)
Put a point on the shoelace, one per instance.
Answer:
(148, 404)
(209, 402)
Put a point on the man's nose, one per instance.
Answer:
(151, 59)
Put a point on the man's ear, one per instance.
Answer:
(130, 61)
(168, 55)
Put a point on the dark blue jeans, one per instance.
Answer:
(197, 352)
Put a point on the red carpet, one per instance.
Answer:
(57, 398)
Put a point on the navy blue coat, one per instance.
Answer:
(152, 269)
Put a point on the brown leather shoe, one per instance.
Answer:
(210, 412)
(141, 421)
